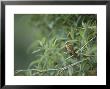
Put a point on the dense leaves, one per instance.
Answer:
(50, 57)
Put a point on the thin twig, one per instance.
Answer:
(85, 44)
(88, 55)
(17, 71)
(68, 66)
(73, 64)
(69, 57)
(87, 27)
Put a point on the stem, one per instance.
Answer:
(17, 71)
(71, 65)
(85, 44)
(68, 66)
(69, 57)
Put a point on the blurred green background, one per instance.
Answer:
(39, 44)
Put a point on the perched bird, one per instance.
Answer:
(70, 49)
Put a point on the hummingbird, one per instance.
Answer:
(70, 49)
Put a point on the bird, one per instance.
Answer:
(70, 49)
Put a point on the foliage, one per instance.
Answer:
(50, 58)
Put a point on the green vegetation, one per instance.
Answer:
(47, 51)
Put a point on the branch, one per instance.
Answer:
(85, 44)
(71, 65)
(17, 71)
(59, 70)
